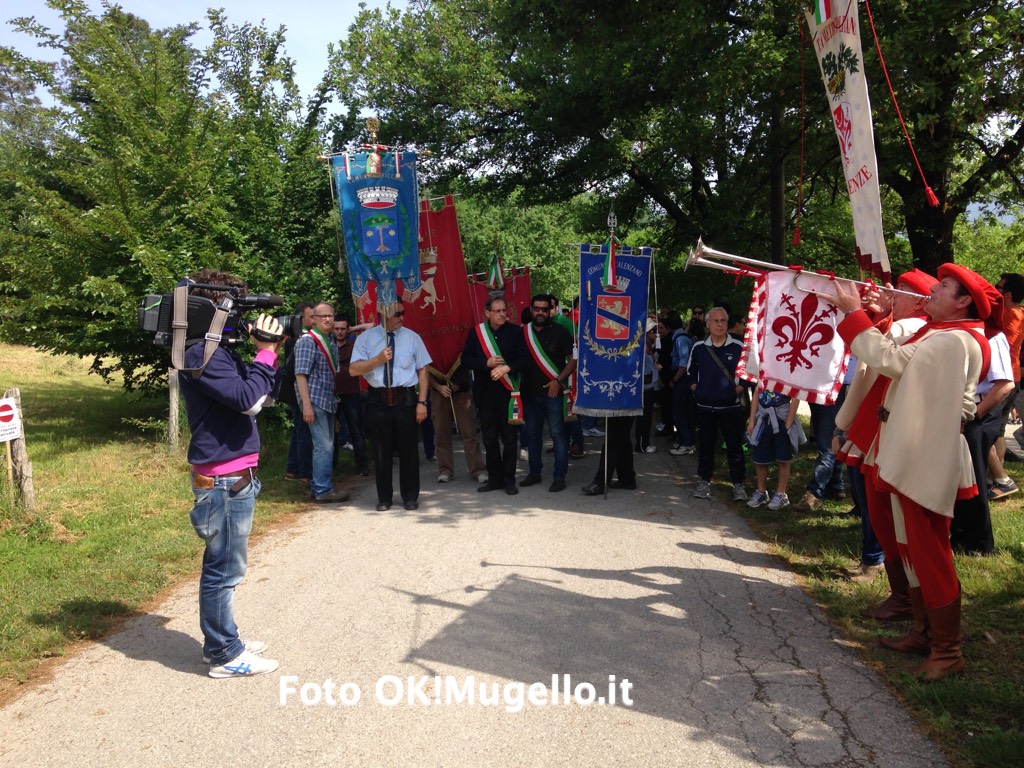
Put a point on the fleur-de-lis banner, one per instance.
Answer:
(792, 346)
(610, 375)
(379, 202)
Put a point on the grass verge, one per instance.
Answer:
(110, 529)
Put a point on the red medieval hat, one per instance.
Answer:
(987, 300)
(917, 281)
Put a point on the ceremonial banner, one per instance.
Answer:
(837, 47)
(378, 200)
(792, 346)
(516, 290)
(439, 309)
(610, 374)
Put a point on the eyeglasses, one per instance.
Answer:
(399, 313)
(503, 309)
(324, 317)
(541, 309)
(698, 311)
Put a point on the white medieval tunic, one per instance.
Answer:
(920, 451)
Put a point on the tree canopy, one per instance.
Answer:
(149, 156)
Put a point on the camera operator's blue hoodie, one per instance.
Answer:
(222, 404)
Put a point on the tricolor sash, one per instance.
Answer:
(490, 345)
(325, 350)
(540, 357)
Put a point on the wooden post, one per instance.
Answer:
(172, 408)
(20, 464)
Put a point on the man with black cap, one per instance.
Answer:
(931, 393)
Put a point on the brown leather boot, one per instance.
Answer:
(945, 657)
(897, 605)
(917, 639)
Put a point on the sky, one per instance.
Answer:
(310, 24)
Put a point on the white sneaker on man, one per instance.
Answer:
(681, 450)
(738, 492)
(779, 500)
(252, 646)
(481, 477)
(444, 477)
(245, 664)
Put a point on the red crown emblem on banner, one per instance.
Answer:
(377, 197)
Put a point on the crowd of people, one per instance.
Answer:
(937, 366)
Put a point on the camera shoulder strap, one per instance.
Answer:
(179, 326)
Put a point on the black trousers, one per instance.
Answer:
(394, 430)
(620, 453)
(731, 422)
(971, 529)
(500, 439)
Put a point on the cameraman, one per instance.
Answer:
(224, 451)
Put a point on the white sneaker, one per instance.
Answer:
(703, 490)
(779, 500)
(650, 449)
(759, 499)
(348, 447)
(481, 477)
(593, 432)
(681, 450)
(444, 477)
(524, 455)
(252, 646)
(244, 664)
(738, 493)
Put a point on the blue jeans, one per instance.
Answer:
(870, 548)
(300, 446)
(826, 473)
(322, 432)
(224, 521)
(537, 411)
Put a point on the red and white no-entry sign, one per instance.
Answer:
(10, 421)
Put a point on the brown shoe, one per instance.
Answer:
(897, 606)
(863, 574)
(808, 503)
(917, 639)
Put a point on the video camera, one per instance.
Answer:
(156, 312)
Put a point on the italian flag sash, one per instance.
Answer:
(490, 346)
(325, 350)
(540, 357)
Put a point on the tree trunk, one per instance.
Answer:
(930, 231)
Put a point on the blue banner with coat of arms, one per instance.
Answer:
(610, 371)
(378, 197)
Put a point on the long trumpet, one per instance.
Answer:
(699, 257)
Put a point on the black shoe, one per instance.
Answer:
(332, 497)
(411, 505)
(487, 488)
(363, 472)
(621, 485)
(593, 490)
(383, 507)
(556, 486)
(576, 452)
(511, 490)
(529, 480)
